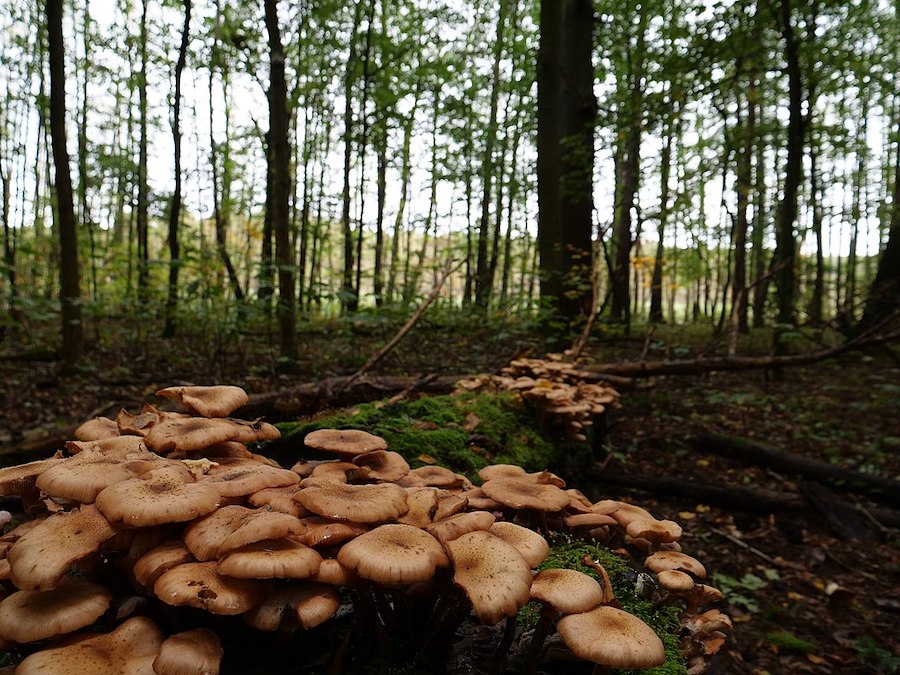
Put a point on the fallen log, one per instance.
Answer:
(701, 366)
(754, 500)
(878, 488)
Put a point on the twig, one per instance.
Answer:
(425, 379)
(752, 549)
(449, 267)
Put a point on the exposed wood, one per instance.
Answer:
(884, 490)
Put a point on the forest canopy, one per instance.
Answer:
(728, 162)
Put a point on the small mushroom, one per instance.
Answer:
(193, 652)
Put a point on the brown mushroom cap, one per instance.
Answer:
(346, 443)
(533, 547)
(117, 446)
(195, 433)
(97, 428)
(460, 524)
(653, 530)
(359, 503)
(673, 580)
(82, 477)
(493, 574)
(525, 494)
(675, 560)
(193, 652)
(333, 573)
(164, 495)
(130, 649)
(237, 477)
(567, 591)
(279, 499)
(150, 566)
(382, 465)
(310, 604)
(432, 476)
(198, 585)
(320, 532)
(272, 559)
(209, 401)
(28, 616)
(19, 479)
(612, 637)
(393, 554)
(40, 558)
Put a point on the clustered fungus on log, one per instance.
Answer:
(171, 510)
(563, 399)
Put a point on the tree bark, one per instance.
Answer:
(349, 294)
(72, 345)
(143, 206)
(279, 155)
(175, 205)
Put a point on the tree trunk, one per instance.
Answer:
(279, 155)
(656, 282)
(482, 285)
(72, 346)
(175, 206)
(142, 219)
(743, 185)
(349, 294)
(620, 308)
(784, 260)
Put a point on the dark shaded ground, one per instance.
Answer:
(803, 599)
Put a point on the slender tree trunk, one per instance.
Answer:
(817, 300)
(84, 216)
(656, 281)
(381, 188)
(143, 206)
(349, 294)
(279, 155)
(784, 260)
(620, 308)
(743, 185)
(72, 345)
(760, 291)
(482, 286)
(175, 206)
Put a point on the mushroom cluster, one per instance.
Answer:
(565, 398)
(163, 510)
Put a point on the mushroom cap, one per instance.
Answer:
(333, 573)
(193, 652)
(393, 554)
(432, 476)
(320, 532)
(567, 591)
(526, 494)
(310, 604)
(359, 503)
(41, 556)
(19, 479)
(97, 428)
(382, 465)
(612, 637)
(675, 560)
(533, 547)
(653, 530)
(28, 616)
(195, 433)
(272, 559)
(347, 443)
(82, 477)
(150, 566)
(231, 527)
(198, 584)
(209, 401)
(129, 424)
(460, 524)
(237, 477)
(495, 471)
(116, 446)
(167, 494)
(493, 574)
(673, 580)
(130, 648)
(278, 499)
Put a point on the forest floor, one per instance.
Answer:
(802, 598)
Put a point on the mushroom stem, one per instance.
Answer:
(509, 634)
(608, 595)
(536, 647)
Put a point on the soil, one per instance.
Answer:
(802, 598)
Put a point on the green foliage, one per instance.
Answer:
(463, 433)
(873, 651)
(735, 590)
(785, 640)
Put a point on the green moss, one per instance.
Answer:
(785, 640)
(568, 552)
(463, 433)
